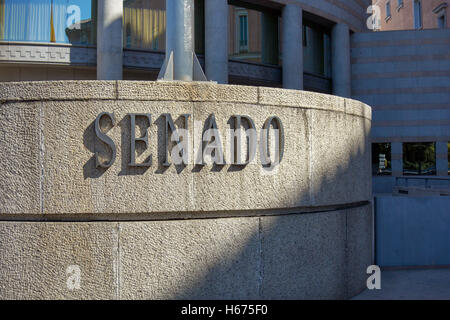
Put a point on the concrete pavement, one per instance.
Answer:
(421, 284)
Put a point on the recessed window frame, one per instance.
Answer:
(416, 156)
(379, 169)
(388, 11)
(417, 11)
(326, 53)
(241, 48)
(442, 21)
(441, 15)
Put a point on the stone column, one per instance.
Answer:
(292, 47)
(216, 40)
(269, 38)
(109, 40)
(397, 158)
(340, 60)
(442, 158)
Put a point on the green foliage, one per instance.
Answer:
(419, 158)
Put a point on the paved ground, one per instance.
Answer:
(423, 284)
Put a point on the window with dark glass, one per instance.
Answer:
(243, 32)
(305, 36)
(417, 14)
(441, 21)
(448, 157)
(199, 6)
(59, 21)
(316, 50)
(419, 158)
(388, 9)
(144, 24)
(381, 159)
(254, 35)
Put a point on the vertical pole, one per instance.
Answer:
(292, 46)
(109, 40)
(180, 37)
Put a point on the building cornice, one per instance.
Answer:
(440, 7)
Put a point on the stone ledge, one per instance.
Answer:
(186, 215)
(177, 91)
(185, 91)
(57, 90)
(313, 100)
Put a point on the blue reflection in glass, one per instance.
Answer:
(61, 21)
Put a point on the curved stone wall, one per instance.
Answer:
(302, 230)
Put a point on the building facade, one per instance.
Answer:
(253, 39)
(94, 207)
(325, 46)
(413, 14)
(141, 229)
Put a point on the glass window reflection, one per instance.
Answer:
(419, 158)
(316, 50)
(58, 21)
(381, 159)
(253, 35)
(144, 25)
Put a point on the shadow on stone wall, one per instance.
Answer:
(315, 255)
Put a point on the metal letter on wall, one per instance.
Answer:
(103, 137)
(236, 140)
(208, 146)
(182, 146)
(265, 142)
(144, 139)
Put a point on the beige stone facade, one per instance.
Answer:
(176, 231)
(63, 136)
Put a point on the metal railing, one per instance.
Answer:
(425, 179)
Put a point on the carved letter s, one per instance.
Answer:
(103, 137)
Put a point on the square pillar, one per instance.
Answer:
(216, 40)
(109, 40)
(292, 45)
